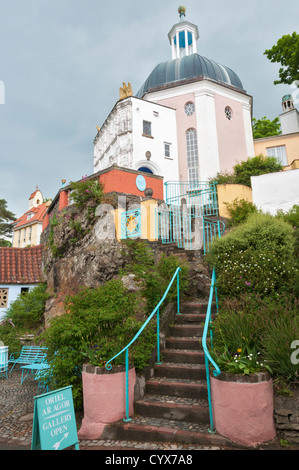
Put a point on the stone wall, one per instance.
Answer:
(286, 415)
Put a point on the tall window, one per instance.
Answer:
(192, 155)
(147, 128)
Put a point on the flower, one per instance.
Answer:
(239, 350)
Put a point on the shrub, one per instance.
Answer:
(10, 337)
(85, 191)
(255, 257)
(253, 166)
(239, 211)
(27, 310)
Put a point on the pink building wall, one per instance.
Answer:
(184, 123)
(231, 133)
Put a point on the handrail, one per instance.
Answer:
(208, 357)
(108, 366)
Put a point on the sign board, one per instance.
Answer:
(54, 422)
(140, 182)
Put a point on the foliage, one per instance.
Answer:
(154, 277)
(292, 217)
(257, 332)
(256, 257)
(286, 53)
(239, 210)
(100, 322)
(6, 217)
(27, 310)
(278, 340)
(10, 337)
(86, 190)
(242, 172)
(255, 166)
(265, 127)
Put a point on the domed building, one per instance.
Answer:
(190, 119)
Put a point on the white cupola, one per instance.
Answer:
(183, 36)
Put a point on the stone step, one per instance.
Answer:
(177, 387)
(191, 318)
(183, 343)
(180, 371)
(143, 429)
(191, 410)
(196, 307)
(183, 356)
(186, 330)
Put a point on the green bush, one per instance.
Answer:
(256, 257)
(239, 211)
(27, 310)
(253, 166)
(9, 337)
(85, 191)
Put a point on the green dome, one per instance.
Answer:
(187, 69)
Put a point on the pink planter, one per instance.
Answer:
(243, 407)
(104, 399)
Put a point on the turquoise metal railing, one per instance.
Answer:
(201, 195)
(211, 230)
(208, 358)
(126, 349)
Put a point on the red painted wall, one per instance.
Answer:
(125, 182)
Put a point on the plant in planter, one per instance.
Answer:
(242, 395)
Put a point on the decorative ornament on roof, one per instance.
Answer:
(125, 91)
(182, 11)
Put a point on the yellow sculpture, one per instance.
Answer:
(125, 91)
(98, 128)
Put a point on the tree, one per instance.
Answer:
(286, 52)
(5, 226)
(265, 128)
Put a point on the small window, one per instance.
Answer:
(167, 152)
(279, 152)
(228, 113)
(189, 108)
(3, 298)
(24, 290)
(147, 128)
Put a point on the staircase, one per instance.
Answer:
(175, 408)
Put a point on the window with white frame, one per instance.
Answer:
(192, 155)
(167, 150)
(279, 152)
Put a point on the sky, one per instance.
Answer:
(62, 63)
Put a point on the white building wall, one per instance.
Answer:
(275, 191)
(121, 140)
(208, 154)
(149, 151)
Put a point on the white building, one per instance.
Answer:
(190, 119)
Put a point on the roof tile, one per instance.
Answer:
(21, 265)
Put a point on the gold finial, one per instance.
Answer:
(182, 10)
(125, 91)
(98, 128)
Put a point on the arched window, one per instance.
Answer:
(145, 169)
(192, 155)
